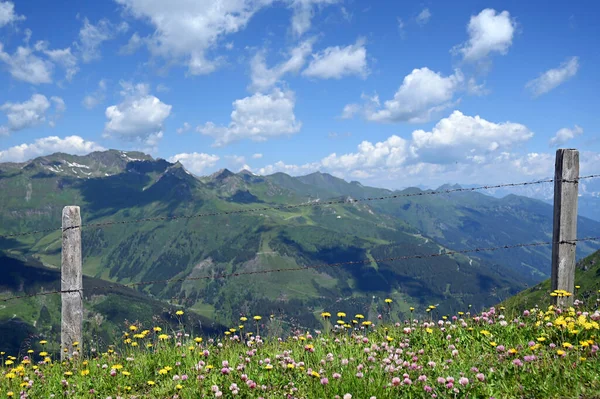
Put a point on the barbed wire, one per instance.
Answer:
(308, 267)
(294, 206)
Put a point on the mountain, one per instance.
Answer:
(588, 202)
(587, 277)
(124, 186)
(107, 306)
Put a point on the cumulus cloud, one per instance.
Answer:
(7, 13)
(263, 78)
(30, 113)
(454, 145)
(553, 77)
(184, 128)
(423, 17)
(258, 118)
(257, 156)
(24, 65)
(63, 57)
(489, 32)
(337, 62)
(139, 117)
(49, 145)
(134, 43)
(195, 162)
(186, 32)
(92, 36)
(304, 12)
(565, 134)
(97, 97)
(423, 93)
(460, 136)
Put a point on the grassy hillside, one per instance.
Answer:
(587, 278)
(485, 355)
(108, 308)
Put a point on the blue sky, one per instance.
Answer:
(388, 93)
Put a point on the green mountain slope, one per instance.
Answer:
(126, 186)
(587, 277)
(107, 307)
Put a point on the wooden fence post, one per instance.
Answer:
(566, 183)
(71, 279)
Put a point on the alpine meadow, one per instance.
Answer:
(300, 199)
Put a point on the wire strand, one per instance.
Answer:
(284, 207)
(310, 267)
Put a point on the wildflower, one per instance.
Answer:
(341, 314)
(151, 383)
(243, 319)
(163, 337)
(463, 381)
(388, 300)
(325, 315)
(157, 329)
(179, 313)
(257, 318)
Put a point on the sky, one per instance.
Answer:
(388, 93)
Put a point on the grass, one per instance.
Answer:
(540, 353)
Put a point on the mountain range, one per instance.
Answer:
(252, 228)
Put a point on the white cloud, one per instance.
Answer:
(337, 62)
(195, 162)
(489, 32)
(27, 114)
(475, 89)
(49, 145)
(26, 66)
(457, 146)
(553, 77)
(263, 78)
(7, 13)
(565, 134)
(304, 12)
(423, 17)
(257, 156)
(422, 93)
(66, 59)
(259, 117)
(59, 104)
(401, 26)
(134, 43)
(92, 36)
(139, 117)
(460, 136)
(184, 128)
(236, 159)
(350, 110)
(185, 32)
(92, 100)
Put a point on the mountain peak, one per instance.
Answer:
(222, 174)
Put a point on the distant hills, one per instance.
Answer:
(117, 185)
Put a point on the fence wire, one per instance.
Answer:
(307, 267)
(294, 206)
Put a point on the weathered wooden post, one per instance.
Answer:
(71, 280)
(566, 183)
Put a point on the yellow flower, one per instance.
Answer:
(68, 373)
(325, 315)
(290, 365)
(560, 352)
(9, 394)
(541, 339)
(243, 319)
(85, 372)
(341, 314)
(178, 386)
(367, 323)
(10, 376)
(257, 318)
(163, 337)
(388, 300)
(179, 313)
(578, 286)
(8, 362)
(485, 332)
(390, 339)
(43, 342)
(359, 316)
(125, 373)
(157, 329)
(512, 351)
(341, 322)
(151, 383)
(133, 328)
(43, 354)
(268, 366)
(315, 374)
(162, 371)
(567, 345)
(198, 340)
(429, 330)
(492, 343)
(117, 367)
